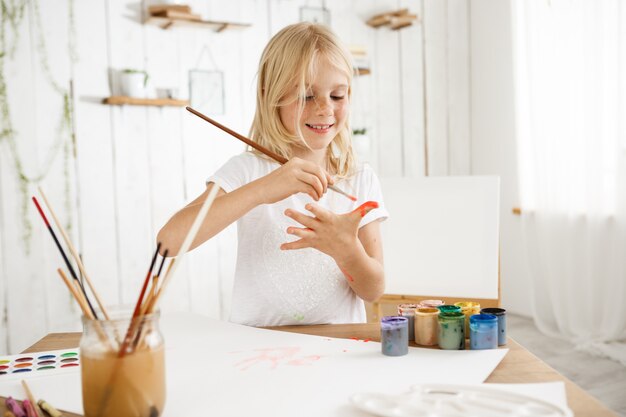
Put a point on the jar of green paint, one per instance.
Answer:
(451, 330)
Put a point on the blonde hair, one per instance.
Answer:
(290, 58)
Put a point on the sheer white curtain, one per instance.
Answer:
(570, 63)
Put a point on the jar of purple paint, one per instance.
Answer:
(394, 335)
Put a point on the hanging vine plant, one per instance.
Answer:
(12, 15)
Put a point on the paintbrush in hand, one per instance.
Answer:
(280, 159)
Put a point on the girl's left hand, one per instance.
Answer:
(330, 233)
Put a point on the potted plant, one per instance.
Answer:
(134, 82)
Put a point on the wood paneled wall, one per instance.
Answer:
(136, 165)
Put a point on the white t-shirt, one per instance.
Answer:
(273, 287)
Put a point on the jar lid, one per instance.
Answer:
(447, 308)
(467, 304)
(426, 311)
(451, 315)
(394, 321)
(483, 318)
(493, 310)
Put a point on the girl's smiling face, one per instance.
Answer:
(325, 110)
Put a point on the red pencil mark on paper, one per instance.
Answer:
(275, 357)
(361, 340)
(366, 207)
(304, 360)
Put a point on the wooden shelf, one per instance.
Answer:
(362, 71)
(168, 22)
(133, 101)
(395, 20)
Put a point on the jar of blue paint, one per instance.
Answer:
(451, 330)
(394, 335)
(408, 311)
(500, 313)
(483, 331)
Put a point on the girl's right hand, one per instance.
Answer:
(296, 176)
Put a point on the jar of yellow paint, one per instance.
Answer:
(469, 308)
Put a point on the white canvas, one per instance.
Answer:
(213, 368)
(442, 236)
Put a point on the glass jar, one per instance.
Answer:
(426, 326)
(500, 313)
(123, 368)
(408, 311)
(469, 308)
(394, 335)
(483, 331)
(451, 330)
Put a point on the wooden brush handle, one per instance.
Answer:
(263, 150)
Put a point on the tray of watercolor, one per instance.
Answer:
(54, 361)
(437, 400)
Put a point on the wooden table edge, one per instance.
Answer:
(582, 403)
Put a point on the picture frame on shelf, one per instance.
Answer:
(206, 91)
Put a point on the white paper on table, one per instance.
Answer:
(550, 392)
(214, 362)
(224, 369)
(63, 391)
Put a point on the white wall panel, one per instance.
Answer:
(97, 225)
(388, 134)
(24, 286)
(58, 185)
(436, 90)
(458, 99)
(4, 330)
(412, 97)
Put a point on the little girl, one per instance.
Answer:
(305, 255)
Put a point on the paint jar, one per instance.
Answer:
(426, 326)
(394, 335)
(123, 366)
(500, 313)
(451, 330)
(408, 311)
(430, 303)
(469, 308)
(483, 331)
(447, 308)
